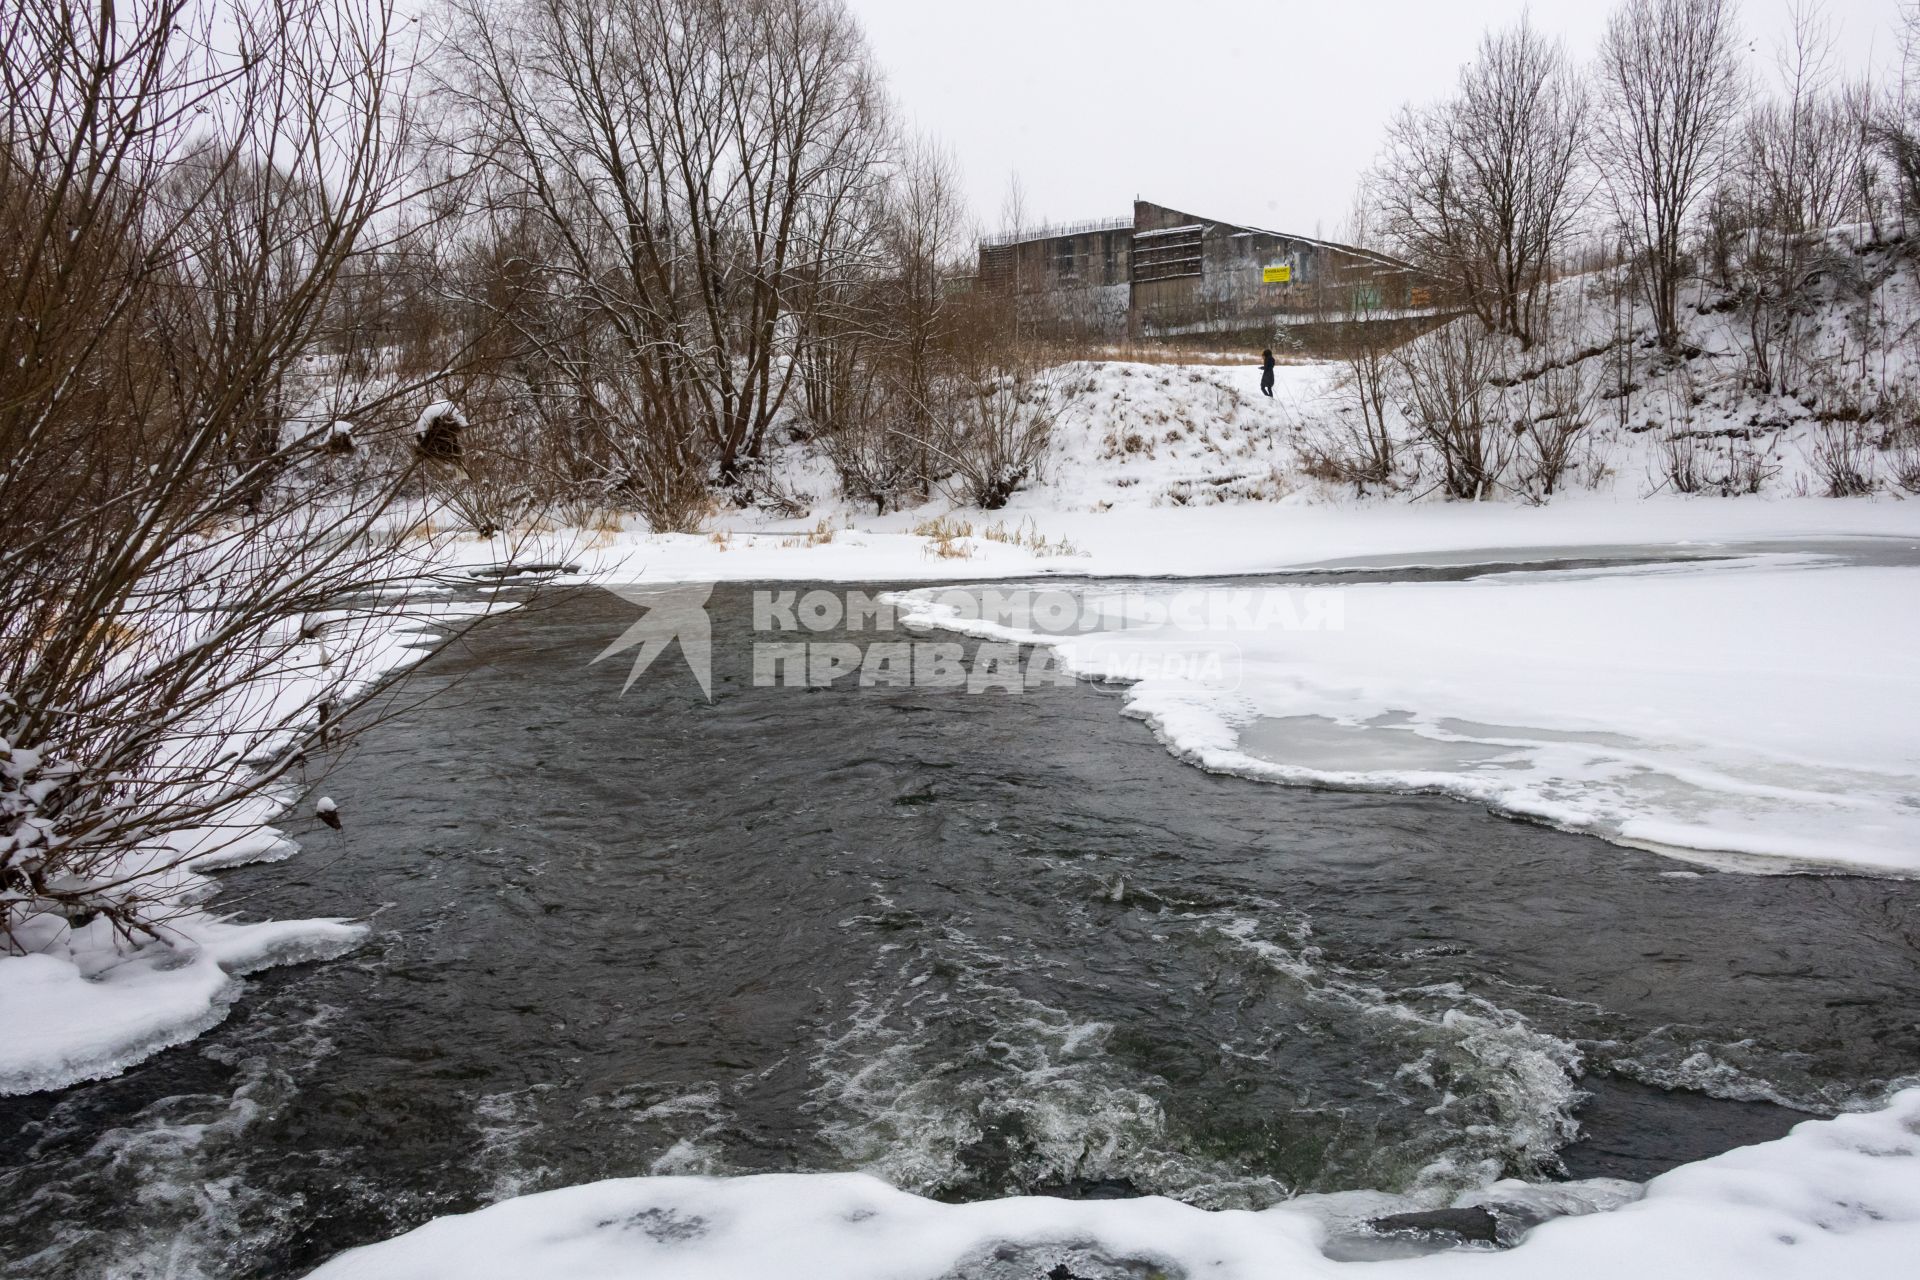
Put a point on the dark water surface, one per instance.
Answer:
(978, 944)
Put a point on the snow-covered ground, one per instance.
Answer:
(1834, 1198)
(1248, 538)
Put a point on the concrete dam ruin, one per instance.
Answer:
(1170, 276)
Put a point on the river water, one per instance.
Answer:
(978, 944)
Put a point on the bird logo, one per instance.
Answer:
(673, 613)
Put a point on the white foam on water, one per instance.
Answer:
(1499, 1093)
(945, 1073)
(1743, 1071)
(176, 1170)
(505, 1121)
(950, 1079)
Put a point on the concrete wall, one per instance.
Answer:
(1220, 285)
(1067, 286)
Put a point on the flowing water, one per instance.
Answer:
(977, 944)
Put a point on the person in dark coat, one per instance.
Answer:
(1266, 372)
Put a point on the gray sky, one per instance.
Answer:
(1261, 111)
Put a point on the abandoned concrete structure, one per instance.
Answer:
(1167, 275)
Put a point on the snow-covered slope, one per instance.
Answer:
(1776, 402)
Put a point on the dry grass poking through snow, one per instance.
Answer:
(818, 536)
(946, 537)
(1027, 535)
(1170, 435)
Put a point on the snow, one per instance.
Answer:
(434, 413)
(92, 1009)
(1246, 538)
(1186, 470)
(1833, 1197)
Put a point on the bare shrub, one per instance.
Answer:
(1901, 457)
(1750, 466)
(1842, 456)
(1001, 411)
(1339, 451)
(1453, 408)
(489, 488)
(1358, 446)
(184, 522)
(650, 465)
(1670, 89)
(1555, 413)
(875, 456)
(1684, 461)
(1727, 465)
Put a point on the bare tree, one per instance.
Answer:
(1485, 189)
(1670, 88)
(1016, 221)
(1800, 165)
(877, 367)
(1357, 445)
(693, 163)
(1895, 127)
(925, 230)
(185, 514)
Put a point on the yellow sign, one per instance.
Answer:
(1276, 275)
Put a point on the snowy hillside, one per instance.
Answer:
(1848, 420)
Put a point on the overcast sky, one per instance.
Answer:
(1256, 111)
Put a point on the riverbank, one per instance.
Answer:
(978, 946)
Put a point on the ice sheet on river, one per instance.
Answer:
(1835, 1197)
(90, 1011)
(1761, 712)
